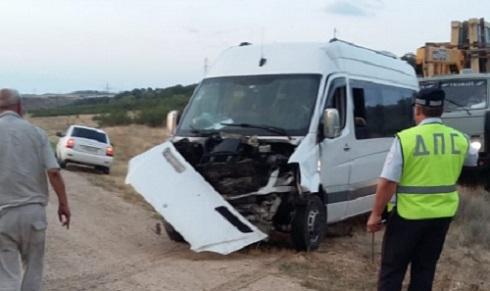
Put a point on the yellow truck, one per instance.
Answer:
(469, 50)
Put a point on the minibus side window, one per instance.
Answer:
(337, 99)
(380, 110)
(360, 118)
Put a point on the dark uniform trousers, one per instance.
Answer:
(415, 242)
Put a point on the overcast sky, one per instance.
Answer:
(66, 45)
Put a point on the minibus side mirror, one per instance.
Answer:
(172, 121)
(331, 123)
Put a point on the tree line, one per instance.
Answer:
(141, 106)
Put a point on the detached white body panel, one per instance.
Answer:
(189, 203)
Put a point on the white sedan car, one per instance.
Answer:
(86, 146)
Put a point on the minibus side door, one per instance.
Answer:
(335, 162)
(380, 110)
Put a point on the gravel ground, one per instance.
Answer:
(112, 245)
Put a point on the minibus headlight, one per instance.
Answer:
(477, 142)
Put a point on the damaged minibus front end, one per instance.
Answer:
(220, 193)
(239, 164)
(253, 175)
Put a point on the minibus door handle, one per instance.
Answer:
(346, 147)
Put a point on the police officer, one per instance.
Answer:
(422, 168)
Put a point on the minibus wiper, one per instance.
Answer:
(459, 106)
(204, 132)
(273, 129)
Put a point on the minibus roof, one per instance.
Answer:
(313, 58)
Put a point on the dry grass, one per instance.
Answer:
(59, 123)
(472, 224)
(343, 261)
(331, 269)
(128, 141)
(52, 125)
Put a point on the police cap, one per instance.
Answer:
(432, 97)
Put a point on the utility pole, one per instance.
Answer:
(107, 88)
(206, 65)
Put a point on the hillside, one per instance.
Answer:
(142, 106)
(34, 102)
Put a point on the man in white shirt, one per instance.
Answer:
(26, 161)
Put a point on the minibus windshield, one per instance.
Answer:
(463, 94)
(262, 103)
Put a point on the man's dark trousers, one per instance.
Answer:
(415, 242)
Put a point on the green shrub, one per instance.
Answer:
(154, 113)
(174, 97)
(113, 118)
(152, 116)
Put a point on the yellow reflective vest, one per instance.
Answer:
(433, 156)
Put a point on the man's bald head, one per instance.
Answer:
(9, 100)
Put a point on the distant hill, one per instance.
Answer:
(91, 92)
(144, 106)
(34, 102)
(31, 103)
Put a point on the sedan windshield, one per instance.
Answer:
(89, 134)
(252, 105)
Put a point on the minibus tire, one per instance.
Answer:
(308, 225)
(62, 164)
(486, 185)
(172, 233)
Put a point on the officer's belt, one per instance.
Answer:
(426, 189)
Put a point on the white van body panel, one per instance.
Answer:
(188, 202)
(307, 156)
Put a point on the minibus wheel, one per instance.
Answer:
(62, 164)
(308, 225)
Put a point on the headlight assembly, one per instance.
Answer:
(477, 142)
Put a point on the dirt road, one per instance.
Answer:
(112, 246)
